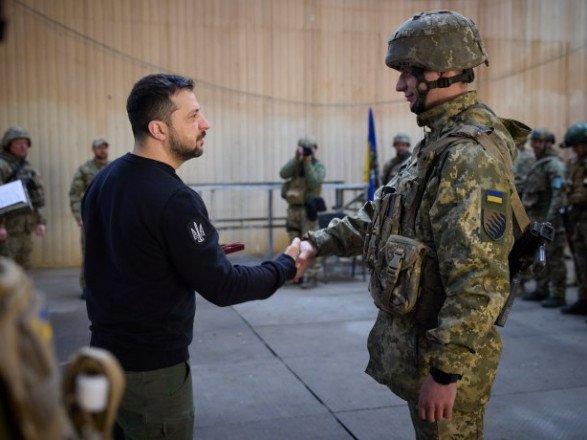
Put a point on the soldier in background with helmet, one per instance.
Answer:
(81, 180)
(543, 197)
(521, 166)
(401, 143)
(437, 237)
(19, 226)
(304, 175)
(576, 138)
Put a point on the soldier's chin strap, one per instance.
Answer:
(424, 86)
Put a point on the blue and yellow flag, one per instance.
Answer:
(371, 167)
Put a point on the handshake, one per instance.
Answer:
(303, 252)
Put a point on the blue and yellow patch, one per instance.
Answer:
(493, 196)
(494, 213)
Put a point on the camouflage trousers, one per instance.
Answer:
(18, 247)
(553, 279)
(297, 224)
(461, 426)
(579, 219)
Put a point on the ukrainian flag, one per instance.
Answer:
(494, 196)
(371, 167)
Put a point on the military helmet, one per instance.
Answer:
(542, 134)
(14, 133)
(436, 41)
(401, 138)
(303, 142)
(99, 141)
(576, 134)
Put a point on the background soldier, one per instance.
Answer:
(81, 180)
(304, 175)
(19, 226)
(401, 143)
(437, 238)
(576, 137)
(543, 197)
(522, 165)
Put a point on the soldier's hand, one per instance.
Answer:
(40, 230)
(3, 233)
(293, 250)
(306, 258)
(436, 400)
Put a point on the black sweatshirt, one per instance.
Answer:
(149, 245)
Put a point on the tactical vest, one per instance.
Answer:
(404, 270)
(537, 189)
(578, 189)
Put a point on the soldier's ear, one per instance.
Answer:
(158, 129)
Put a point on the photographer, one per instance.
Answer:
(17, 243)
(304, 175)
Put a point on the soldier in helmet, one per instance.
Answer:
(81, 180)
(437, 237)
(576, 138)
(19, 226)
(303, 175)
(401, 143)
(543, 197)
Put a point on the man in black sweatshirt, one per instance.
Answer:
(149, 246)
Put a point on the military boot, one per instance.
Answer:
(535, 296)
(553, 302)
(577, 308)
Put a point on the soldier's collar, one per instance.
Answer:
(439, 116)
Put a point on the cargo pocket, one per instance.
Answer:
(398, 283)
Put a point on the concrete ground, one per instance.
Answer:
(291, 367)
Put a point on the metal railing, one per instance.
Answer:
(269, 221)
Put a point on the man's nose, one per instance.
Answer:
(204, 124)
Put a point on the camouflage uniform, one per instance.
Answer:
(391, 168)
(81, 180)
(437, 237)
(304, 183)
(20, 225)
(450, 327)
(543, 196)
(522, 164)
(576, 136)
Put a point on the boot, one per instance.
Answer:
(535, 296)
(553, 302)
(577, 308)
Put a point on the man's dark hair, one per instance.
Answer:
(150, 99)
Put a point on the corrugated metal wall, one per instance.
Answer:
(267, 71)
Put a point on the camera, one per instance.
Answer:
(307, 150)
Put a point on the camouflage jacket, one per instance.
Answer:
(391, 168)
(32, 180)
(521, 168)
(306, 176)
(81, 180)
(451, 327)
(543, 193)
(577, 191)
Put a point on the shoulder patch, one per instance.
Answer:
(196, 232)
(493, 213)
(557, 182)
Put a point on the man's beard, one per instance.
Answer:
(181, 150)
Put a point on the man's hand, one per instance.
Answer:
(306, 258)
(436, 401)
(40, 230)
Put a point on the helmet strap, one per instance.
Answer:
(424, 86)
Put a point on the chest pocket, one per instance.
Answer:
(397, 286)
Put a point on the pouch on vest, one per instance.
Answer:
(397, 286)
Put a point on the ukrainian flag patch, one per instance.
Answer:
(494, 196)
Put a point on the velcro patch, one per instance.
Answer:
(196, 232)
(493, 213)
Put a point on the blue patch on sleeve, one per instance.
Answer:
(557, 183)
